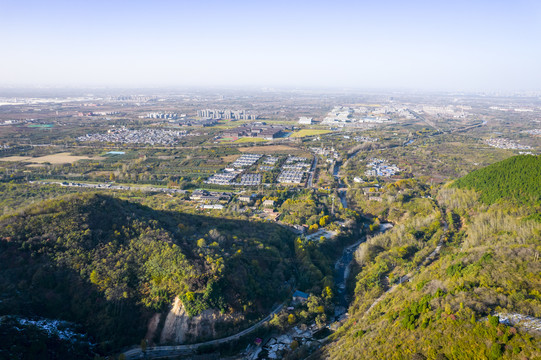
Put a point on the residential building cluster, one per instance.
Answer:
(250, 180)
(226, 114)
(223, 178)
(380, 167)
(294, 159)
(365, 139)
(373, 120)
(342, 116)
(197, 123)
(506, 144)
(519, 110)
(533, 132)
(160, 115)
(305, 120)
(270, 160)
(291, 177)
(293, 170)
(212, 206)
(210, 196)
(12, 122)
(297, 166)
(99, 113)
(338, 115)
(247, 197)
(440, 111)
(235, 169)
(132, 98)
(391, 110)
(246, 160)
(330, 153)
(124, 135)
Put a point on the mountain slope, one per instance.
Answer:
(489, 264)
(517, 178)
(109, 264)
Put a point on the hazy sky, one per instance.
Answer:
(435, 45)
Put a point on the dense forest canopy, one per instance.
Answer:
(517, 178)
(108, 264)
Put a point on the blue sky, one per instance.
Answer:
(426, 45)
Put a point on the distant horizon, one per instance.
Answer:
(463, 46)
(161, 90)
(265, 88)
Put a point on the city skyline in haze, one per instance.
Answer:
(462, 45)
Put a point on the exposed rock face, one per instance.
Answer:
(180, 328)
(152, 327)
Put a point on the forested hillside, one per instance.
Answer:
(517, 178)
(108, 264)
(449, 307)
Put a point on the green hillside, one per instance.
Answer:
(108, 264)
(489, 264)
(517, 178)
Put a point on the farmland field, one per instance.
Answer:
(230, 158)
(250, 140)
(274, 149)
(60, 158)
(309, 132)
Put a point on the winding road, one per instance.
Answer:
(157, 352)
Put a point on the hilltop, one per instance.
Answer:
(517, 178)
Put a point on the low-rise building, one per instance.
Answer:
(299, 296)
(245, 198)
(213, 207)
(250, 180)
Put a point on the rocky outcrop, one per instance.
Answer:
(152, 327)
(181, 328)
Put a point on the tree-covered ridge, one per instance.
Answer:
(488, 264)
(110, 243)
(517, 178)
(107, 263)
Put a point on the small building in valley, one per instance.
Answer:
(299, 296)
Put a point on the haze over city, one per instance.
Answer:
(461, 45)
(262, 180)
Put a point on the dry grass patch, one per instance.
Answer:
(309, 132)
(60, 158)
(230, 158)
(270, 149)
(276, 149)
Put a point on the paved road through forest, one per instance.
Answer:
(157, 352)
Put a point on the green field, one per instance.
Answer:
(41, 126)
(309, 132)
(249, 140)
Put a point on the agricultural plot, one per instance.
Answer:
(309, 132)
(60, 158)
(275, 149)
(250, 140)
